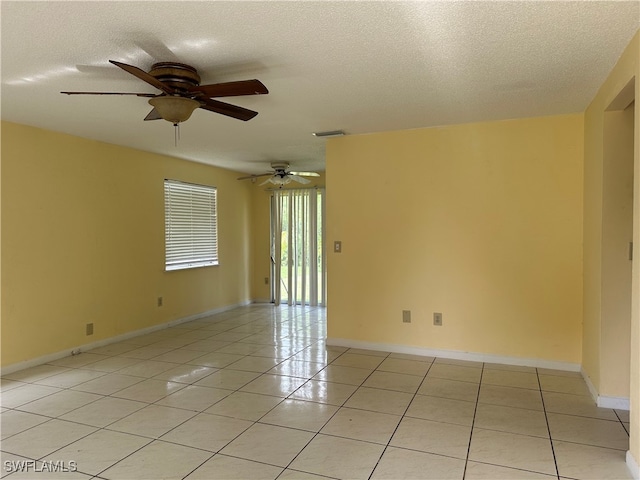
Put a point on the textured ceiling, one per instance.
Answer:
(357, 66)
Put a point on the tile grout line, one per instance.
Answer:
(279, 403)
(473, 421)
(546, 418)
(615, 412)
(197, 467)
(335, 413)
(401, 418)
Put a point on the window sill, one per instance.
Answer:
(173, 268)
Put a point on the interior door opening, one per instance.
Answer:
(617, 235)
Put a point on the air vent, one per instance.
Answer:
(332, 133)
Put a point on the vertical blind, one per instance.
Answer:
(191, 225)
(299, 274)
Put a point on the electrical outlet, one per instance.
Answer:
(337, 246)
(266, 280)
(89, 329)
(159, 301)
(437, 319)
(406, 316)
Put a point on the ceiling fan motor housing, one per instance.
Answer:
(281, 169)
(176, 75)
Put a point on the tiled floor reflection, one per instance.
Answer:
(254, 393)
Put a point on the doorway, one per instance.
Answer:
(298, 260)
(617, 248)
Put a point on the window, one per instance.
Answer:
(191, 225)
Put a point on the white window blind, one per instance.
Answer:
(191, 225)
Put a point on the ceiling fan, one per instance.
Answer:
(181, 92)
(282, 176)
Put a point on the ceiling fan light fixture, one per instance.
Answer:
(174, 109)
(277, 180)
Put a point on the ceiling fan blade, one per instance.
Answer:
(254, 176)
(148, 95)
(298, 179)
(153, 115)
(268, 180)
(144, 76)
(103, 71)
(305, 174)
(153, 47)
(231, 89)
(233, 111)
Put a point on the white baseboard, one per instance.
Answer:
(633, 466)
(454, 354)
(604, 401)
(619, 403)
(592, 389)
(107, 341)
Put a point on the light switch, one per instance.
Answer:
(337, 246)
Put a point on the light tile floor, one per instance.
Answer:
(254, 393)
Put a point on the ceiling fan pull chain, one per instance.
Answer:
(176, 133)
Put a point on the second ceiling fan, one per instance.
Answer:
(282, 176)
(182, 92)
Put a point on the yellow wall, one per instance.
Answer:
(481, 222)
(83, 241)
(261, 236)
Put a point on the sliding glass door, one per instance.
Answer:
(297, 247)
